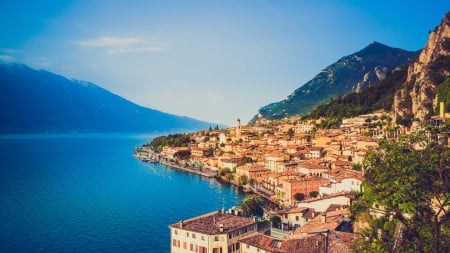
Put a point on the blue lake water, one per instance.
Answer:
(87, 193)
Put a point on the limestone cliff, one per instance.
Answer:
(417, 97)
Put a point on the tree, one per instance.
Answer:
(357, 166)
(299, 196)
(252, 205)
(291, 132)
(225, 171)
(229, 177)
(276, 220)
(410, 180)
(314, 194)
(244, 160)
(243, 180)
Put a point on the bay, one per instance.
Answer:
(87, 193)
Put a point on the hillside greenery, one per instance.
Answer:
(350, 73)
(377, 97)
(443, 95)
(173, 140)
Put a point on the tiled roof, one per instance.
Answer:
(341, 241)
(211, 223)
(293, 210)
(311, 244)
(264, 242)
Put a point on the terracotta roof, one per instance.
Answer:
(316, 224)
(311, 244)
(264, 242)
(341, 241)
(293, 210)
(210, 223)
(336, 207)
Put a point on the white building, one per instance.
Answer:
(215, 232)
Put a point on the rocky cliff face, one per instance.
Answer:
(352, 73)
(417, 97)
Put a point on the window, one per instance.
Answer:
(237, 245)
(296, 218)
(202, 237)
(184, 245)
(193, 236)
(176, 232)
(202, 250)
(216, 238)
(217, 250)
(174, 242)
(191, 247)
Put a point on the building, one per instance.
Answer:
(297, 216)
(275, 161)
(238, 129)
(262, 243)
(304, 185)
(215, 232)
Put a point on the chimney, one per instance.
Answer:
(221, 228)
(181, 224)
(323, 218)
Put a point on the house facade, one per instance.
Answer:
(215, 232)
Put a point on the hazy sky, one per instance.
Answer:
(211, 60)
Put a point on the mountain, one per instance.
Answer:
(417, 97)
(40, 101)
(354, 72)
(379, 96)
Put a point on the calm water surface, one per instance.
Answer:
(86, 193)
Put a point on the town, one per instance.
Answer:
(309, 175)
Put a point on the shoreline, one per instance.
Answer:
(152, 157)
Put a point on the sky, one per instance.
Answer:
(215, 61)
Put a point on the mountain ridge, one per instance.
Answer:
(353, 72)
(41, 101)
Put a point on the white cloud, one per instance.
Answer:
(8, 50)
(112, 51)
(109, 42)
(6, 58)
(121, 45)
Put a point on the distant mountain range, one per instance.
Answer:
(352, 73)
(34, 101)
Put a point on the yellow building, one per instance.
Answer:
(215, 232)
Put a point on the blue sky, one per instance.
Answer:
(212, 60)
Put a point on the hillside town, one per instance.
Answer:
(310, 176)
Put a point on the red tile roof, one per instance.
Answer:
(210, 223)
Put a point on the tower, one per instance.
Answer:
(238, 129)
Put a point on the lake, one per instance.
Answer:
(87, 193)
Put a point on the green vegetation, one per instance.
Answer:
(339, 79)
(377, 97)
(314, 194)
(443, 95)
(243, 180)
(276, 220)
(299, 196)
(174, 140)
(252, 205)
(410, 180)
